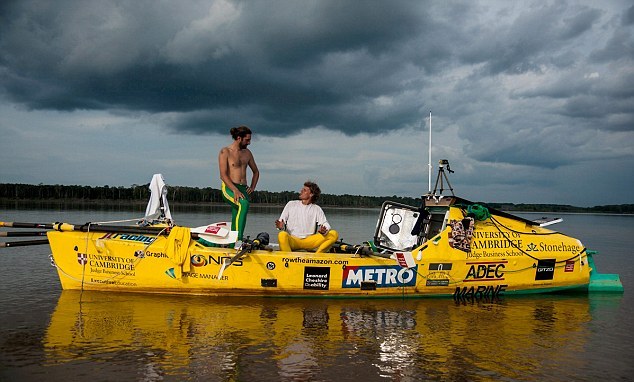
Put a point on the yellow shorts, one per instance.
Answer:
(321, 242)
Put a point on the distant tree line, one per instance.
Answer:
(178, 194)
(181, 194)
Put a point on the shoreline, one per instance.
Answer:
(52, 203)
(139, 205)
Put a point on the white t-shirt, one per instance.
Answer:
(302, 220)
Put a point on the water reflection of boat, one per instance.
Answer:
(256, 339)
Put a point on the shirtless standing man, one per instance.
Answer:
(233, 161)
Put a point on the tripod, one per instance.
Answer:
(442, 177)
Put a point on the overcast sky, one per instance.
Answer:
(531, 101)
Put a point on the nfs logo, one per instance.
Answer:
(384, 277)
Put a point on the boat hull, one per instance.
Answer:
(525, 260)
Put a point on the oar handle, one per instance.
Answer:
(26, 225)
(243, 250)
(362, 250)
(23, 243)
(22, 233)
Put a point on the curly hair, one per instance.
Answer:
(314, 189)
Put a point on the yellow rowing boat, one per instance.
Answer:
(460, 256)
(447, 247)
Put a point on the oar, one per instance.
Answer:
(152, 230)
(262, 239)
(22, 233)
(363, 250)
(65, 227)
(26, 225)
(164, 231)
(23, 243)
(86, 227)
(404, 259)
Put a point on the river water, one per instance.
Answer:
(47, 334)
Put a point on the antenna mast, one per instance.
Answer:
(429, 162)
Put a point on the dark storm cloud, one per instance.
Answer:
(525, 43)
(304, 64)
(620, 46)
(513, 78)
(628, 16)
(604, 101)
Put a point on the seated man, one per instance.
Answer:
(303, 224)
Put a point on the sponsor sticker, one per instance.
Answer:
(431, 283)
(317, 278)
(440, 266)
(486, 271)
(212, 229)
(570, 266)
(545, 269)
(384, 277)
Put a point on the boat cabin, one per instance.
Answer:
(402, 227)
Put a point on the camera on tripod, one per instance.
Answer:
(442, 178)
(444, 162)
